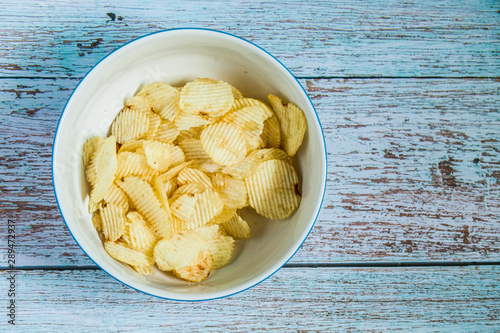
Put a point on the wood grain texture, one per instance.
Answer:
(454, 299)
(414, 171)
(313, 38)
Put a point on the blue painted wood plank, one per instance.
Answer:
(414, 173)
(313, 38)
(453, 299)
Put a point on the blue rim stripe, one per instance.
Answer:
(317, 118)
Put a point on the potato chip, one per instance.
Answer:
(237, 228)
(232, 191)
(102, 169)
(250, 120)
(198, 269)
(190, 188)
(115, 195)
(271, 154)
(271, 134)
(176, 155)
(141, 236)
(89, 148)
(293, 124)
(123, 253)
(163, 98)
(144, 270)
(147, 204)
(179, 251)
(193, 151)
(243, 169)
(93, 206)
(224, 216)
(113, 221)
(178, 225)
(167, 132)
(190, 175)
(273, 190)
(185, 121)
(206, 97)
(172, 172)
(220, 245)
(138, 103)
(129, 124)
(241, 103)
(157, 155)
(154, 125)
(236, 93)
(97, 221)
(225, 144)
(131, 146)
(133, 164)
(192, 133)
(170, 187)
(183, 206)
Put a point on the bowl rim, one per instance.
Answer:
(215, 32)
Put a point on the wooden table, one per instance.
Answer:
(408, 97)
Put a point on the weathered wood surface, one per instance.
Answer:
(456, 299)
(414, 171)
(313, 38)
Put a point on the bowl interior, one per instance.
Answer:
(176, 57)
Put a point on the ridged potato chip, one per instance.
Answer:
(133, 164)
(219, 244)
(93, 206)
(271, 134)
(170, 187)
(179, 251)
(167, 132)
(157, 155)
(115, 195)
(236, 93)
(198, 269)
(89, 148)
(244, 102)
(193, 151)
(225, 144)
(191, 175)
(224, 216)
(144, 270)
(113, 221)
(271, 154)
(197, 209)
(250, 120)
(163, 98)
(138, 103)
(273, 190)
(131, 146)
(206, 97)
(192, 133)
(293, 124)
(97, 221)
(172, 172)
(141, 236)
(129, 124)
(102, 169)
(154, 125)
(123, 253)
(176, 155)
(183, 206)
(147, 204)
(237, 228)
(185, 121)
(243, 169)
(232, 191)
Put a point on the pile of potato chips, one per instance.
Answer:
(168, 183)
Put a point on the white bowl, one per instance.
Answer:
(176, 57)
